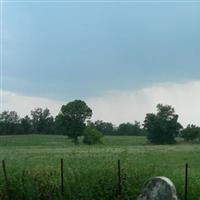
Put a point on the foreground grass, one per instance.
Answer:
(33, 167)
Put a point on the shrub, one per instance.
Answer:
(92, 136)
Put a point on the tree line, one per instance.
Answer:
(73, 120)
(40, 121)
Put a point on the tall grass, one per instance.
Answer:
(90, 172)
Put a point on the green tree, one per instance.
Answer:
(162, 127)
(92, 135)
(190, 133)
(130, 129)
(72, 116)
(42, 121)
(60, 125)
(105, 127)
(26, 125)
(9, 122)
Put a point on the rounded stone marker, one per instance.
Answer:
(158, 188)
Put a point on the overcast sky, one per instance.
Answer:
(121, 58)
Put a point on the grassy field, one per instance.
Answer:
(90, 172)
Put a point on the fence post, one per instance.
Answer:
(186, 181)
(119, 180)
(5, 176)
(62, 176)
(4, 171)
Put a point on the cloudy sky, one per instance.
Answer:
(122, 58)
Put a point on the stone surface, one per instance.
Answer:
(158, 188)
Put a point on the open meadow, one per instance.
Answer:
(90, 172)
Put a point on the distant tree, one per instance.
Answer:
(26, 125)
(130, 129)
(36, 115)
(72, 116)
(105, 127)
(162, 127)
(92, 135)
(190, 133)
(9, 122)
(42, 121)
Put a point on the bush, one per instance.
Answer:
(92, 136)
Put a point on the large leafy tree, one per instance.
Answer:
(72, 118)
(162, 127)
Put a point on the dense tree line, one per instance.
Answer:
(73, 120)
(41, 121)
(190, 133)
(124, 129)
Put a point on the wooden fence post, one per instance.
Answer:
(6, 178)
(62, 176)
(186, 181)
(119, 180)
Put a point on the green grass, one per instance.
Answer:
(33, 167)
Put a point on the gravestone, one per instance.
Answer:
(158, 188)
